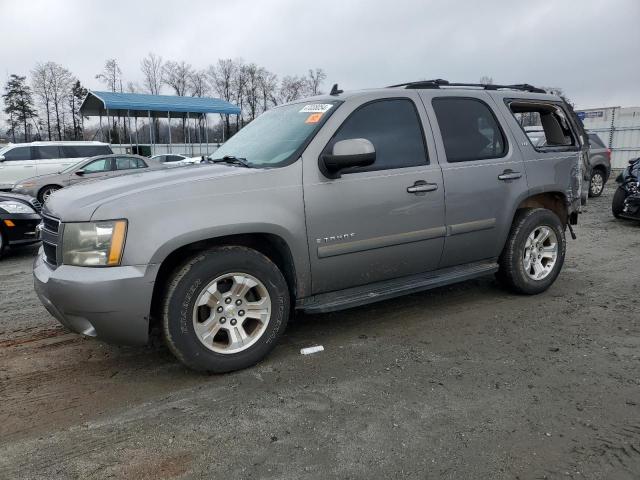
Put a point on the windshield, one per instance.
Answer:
(277, 135)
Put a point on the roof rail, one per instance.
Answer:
(439, 83)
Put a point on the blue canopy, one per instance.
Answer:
(140, 104)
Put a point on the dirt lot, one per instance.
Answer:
(464, 382)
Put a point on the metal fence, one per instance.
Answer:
(618, 128)
(188, 149)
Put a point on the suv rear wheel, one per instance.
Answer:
(596, 184)
(225, 309)
(534, 252)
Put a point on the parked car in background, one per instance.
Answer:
(176, 159)
(626, 199)
(101, 166)
(319, 205)
(600, 162)
(23, 160)
(19, 220)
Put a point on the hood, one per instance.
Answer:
(79, 202)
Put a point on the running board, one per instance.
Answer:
(375, 292)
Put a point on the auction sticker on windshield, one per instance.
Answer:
(316, 108)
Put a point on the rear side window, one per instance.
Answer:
(18, 153)
(128, 163)
(394, 129)
(79, 151)
(545, 124)
(46, 152)
(594, 141)
(469, 129)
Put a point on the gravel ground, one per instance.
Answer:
(463, 382)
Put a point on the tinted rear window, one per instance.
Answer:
(45, 152)
(79, 151)
(469, 129)
(595, 141)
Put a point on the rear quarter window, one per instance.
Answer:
(18, 153)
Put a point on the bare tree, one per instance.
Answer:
(60, 85)
(197, 83)
(291, 88)
(239, 82)
(268, 89)
(220, 78)
(41, 88)
(153, 72)
(253, 88)
(485, 80)
(176, 75)
(111, 75)
(314, 80)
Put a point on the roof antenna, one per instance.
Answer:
(335, 90)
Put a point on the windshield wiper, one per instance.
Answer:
(230, 159)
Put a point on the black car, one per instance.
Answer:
(19, 220)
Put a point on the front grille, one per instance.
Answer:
(51, 224)
(36, 205)
(50, 231)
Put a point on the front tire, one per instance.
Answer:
(225, 309)
(534, 253)
(617, 204)
(45, 192)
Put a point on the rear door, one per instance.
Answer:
(47, 158)
(18, 164)
(483, 172)
(373, 223)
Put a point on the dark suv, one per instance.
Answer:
(318, 205)
(600, 164)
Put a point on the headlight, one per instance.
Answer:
(20, 186)
(94, 244)
(16, 207)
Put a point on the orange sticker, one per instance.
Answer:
(313, 118)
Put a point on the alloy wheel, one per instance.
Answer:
(232, 313)
(540, 253)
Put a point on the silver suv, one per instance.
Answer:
(318, 205)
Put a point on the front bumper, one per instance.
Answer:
(23, 231)
(111, 303)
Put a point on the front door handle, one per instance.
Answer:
(422, 187)
(509, 175)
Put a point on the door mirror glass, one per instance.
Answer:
(354, 152)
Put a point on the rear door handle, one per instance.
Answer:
(422, 187)
(509, 175)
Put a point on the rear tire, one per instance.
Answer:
(617, 204)
(225, 309)
(46, 191)
(534, 253)
(596, 183)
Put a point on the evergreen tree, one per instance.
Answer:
(19, 106)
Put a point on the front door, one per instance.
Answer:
(98, 168)
(17, 165)
(382, 221)
(484, 176)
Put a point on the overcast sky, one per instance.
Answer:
(590, 48)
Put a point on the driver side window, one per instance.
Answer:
(394, 129)
(101, 165)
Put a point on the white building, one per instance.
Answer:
(618, 128)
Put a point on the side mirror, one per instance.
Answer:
(80, 173)
(2, 159)
(354, 152)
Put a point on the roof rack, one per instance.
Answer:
(439, 83)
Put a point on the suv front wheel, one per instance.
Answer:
(534, 252)
(225, 309)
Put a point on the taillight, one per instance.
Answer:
(609, 154)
